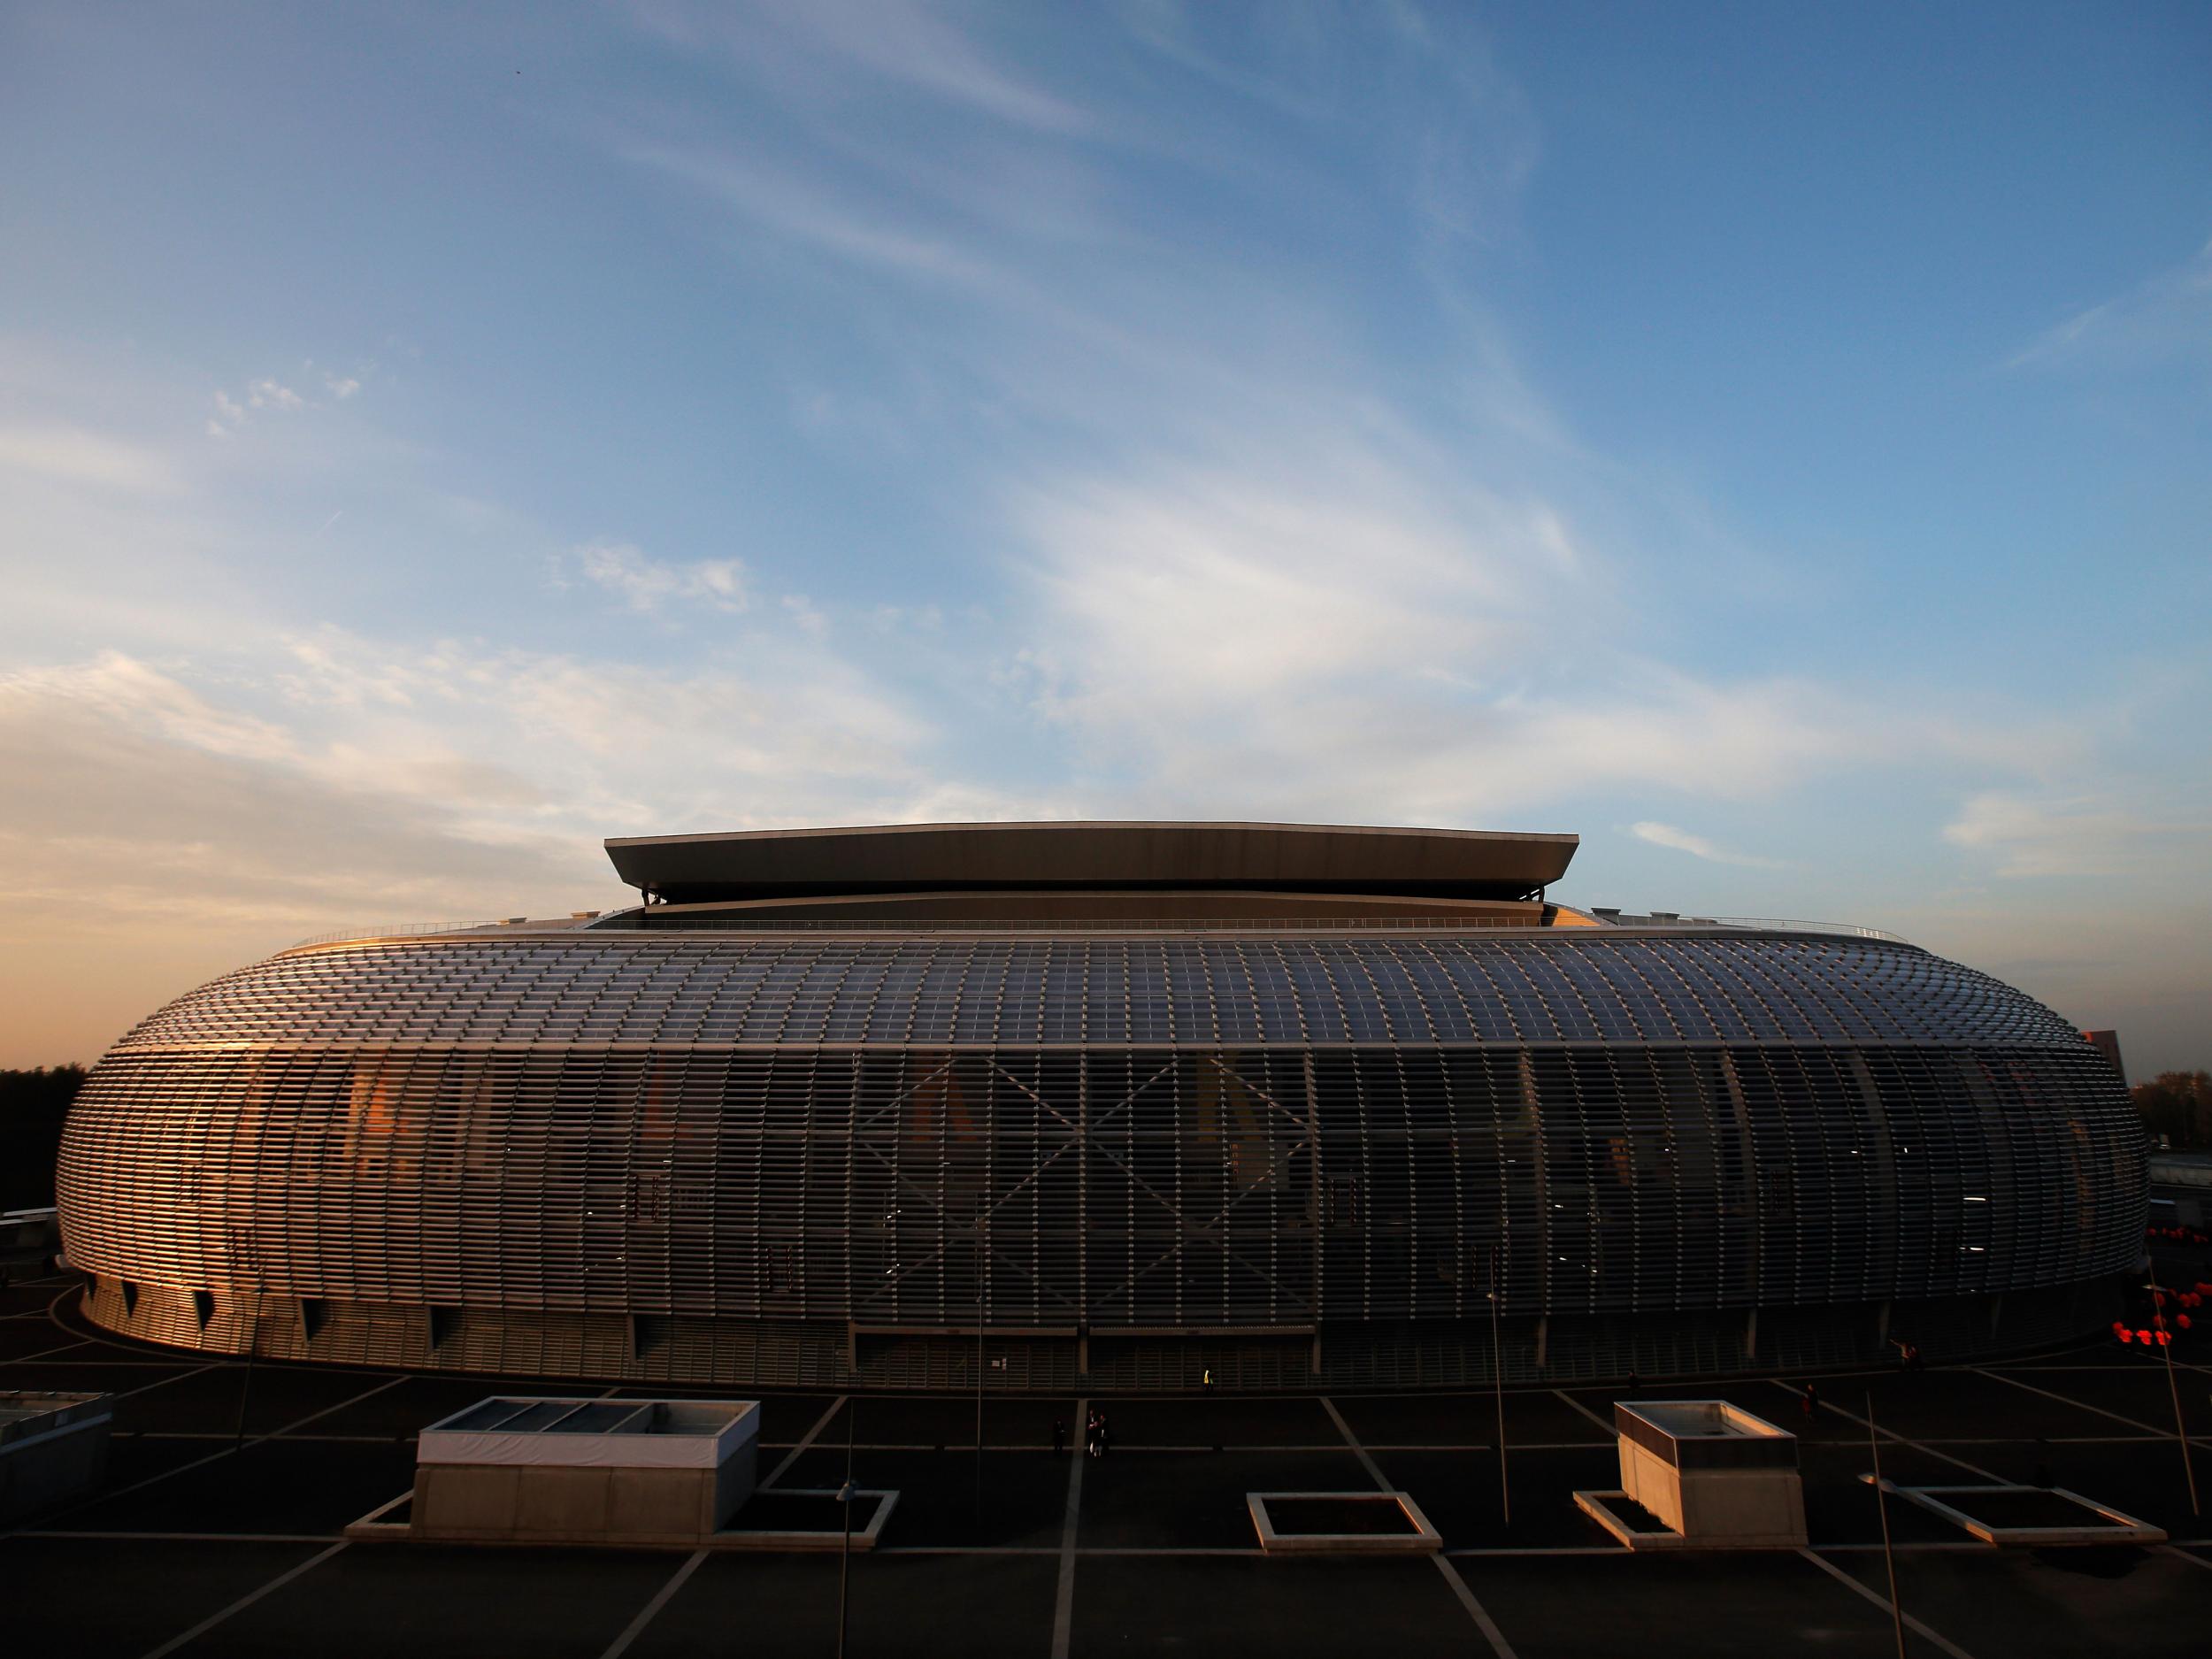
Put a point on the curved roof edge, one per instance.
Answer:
(1091, 854)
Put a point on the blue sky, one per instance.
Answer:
(1770, 441)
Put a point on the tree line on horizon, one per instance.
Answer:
(33, 1103)
(2178, 1106)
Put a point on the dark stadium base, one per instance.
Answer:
(744, 1354)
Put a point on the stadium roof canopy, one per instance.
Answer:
(1091, 855)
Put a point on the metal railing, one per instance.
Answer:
(400, 930)
(1792, 924)
(629, 921)
(636, 920)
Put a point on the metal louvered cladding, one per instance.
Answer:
(777, 1159)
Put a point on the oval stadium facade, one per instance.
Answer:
(1103, 1106)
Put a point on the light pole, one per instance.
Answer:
(1497, 1383)
(1881, 1502)
(978, 1372)
(2173, 1386)
(253, 1344)
(845, 1504)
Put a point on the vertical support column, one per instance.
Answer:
(1313, 1199)
(1082, 1222)
(1748, 1162)
(854, 1075)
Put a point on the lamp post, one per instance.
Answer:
(1497, 1382)
(1881, 1502)
(253, 1344)
(978, 1372)
(2173, 1386)
(845, 1504)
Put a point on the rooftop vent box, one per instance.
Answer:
(522, 1470)
(1708, 1472)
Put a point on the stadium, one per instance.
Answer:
(1103, 1106)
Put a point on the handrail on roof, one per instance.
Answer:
(400, 930)
(1791, 925)
(625, 922)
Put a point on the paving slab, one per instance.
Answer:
(426, 1602)
(1537, 1417)
(1201, 1422)
(117, 1598)
(30, 1296)
(1965, 1405)
(770, 1607)
(1682, 1605)
(97, 1376)
(132, 1459)
(1839, 1507)
(1025, 1493)
(278, 1398)
(23, 1337)
(2140, 1476)
(1458, 1492)
(203, 1397)
(312, 1487)
(2139, 1391)
(1254, 1608)
(933, 1420)
(1453, 1419)
(2018, 1604)
(1196, 1499)
(415, 1403)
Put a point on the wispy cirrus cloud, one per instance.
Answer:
(646, 585)
(267, 395)
(2168, 316)
(816, 212)
(1683, 841)
(70, 454)
(823, 46)
(1357, 640)
(2031, 835)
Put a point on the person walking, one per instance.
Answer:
(1105, 1441)
(1809, 1403)
(1059, 1437)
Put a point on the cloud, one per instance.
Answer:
(1358, 640)
(1196, 584)
(123, 691)
(71, 455)
(183, 815)
(812, 47)
(817, 212)
(646, 584)
(268, 393)
(168, 840)
(2169, 315)
(2061, 836)
(781, 731)
(269, 396)
(1697, 846)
